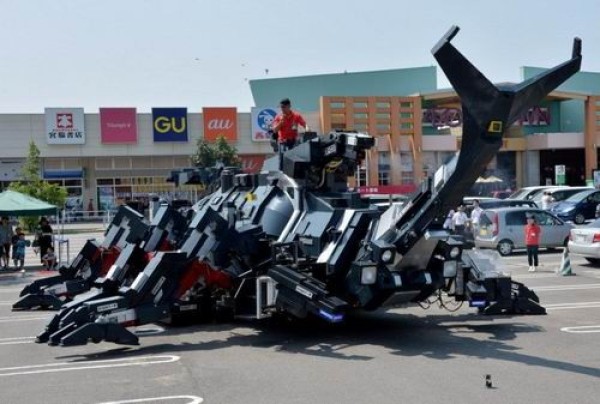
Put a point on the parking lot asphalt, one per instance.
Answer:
(403, 355)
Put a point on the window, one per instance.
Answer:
(338, 117)
(515, 218)
(337, 104)
(359, 105)
(384, 178)
(383, 168)
(382, 115)
(105, 181)
(544, 219)
(406, 125)
(361, 115)
(383, 104)
(406, 115)
(361, 175)
(406, 105)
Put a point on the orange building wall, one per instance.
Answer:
(591, 133)
(386, 118)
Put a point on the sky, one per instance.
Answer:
(201, 53)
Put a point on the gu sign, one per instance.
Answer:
(170, 124)
(65, 126)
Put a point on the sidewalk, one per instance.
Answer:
(80, 227)
(76, 241)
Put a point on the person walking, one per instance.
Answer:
(475, 216)
(6, 234)
(44, 237)
(533, 233)
(448, 221)
(460, 221)
(19, 253)
(547, 200)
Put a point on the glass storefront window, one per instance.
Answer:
(105, 181)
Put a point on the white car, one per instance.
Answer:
(585, 241)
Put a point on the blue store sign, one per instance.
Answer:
(169, 124)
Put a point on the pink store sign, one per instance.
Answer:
(118, 125)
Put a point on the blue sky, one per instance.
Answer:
(195, 53)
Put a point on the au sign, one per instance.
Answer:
(220, 124)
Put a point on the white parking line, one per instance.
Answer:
(148, 329)
(567, 306)
(16, 340)
(13, 290)
(194, 400)
(535, 276)
(84, 365)
(584, 329)
(566, 287)
(24, 318)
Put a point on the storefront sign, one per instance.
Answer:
(387, 189)
(65, 126)
(438, 117)
(535, 116)
(169, 124)
(252, 163)
(220, 122)
(118, 125)
(560, 175)
(262, 118)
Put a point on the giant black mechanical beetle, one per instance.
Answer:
(293, 240)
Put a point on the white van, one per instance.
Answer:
(559, 194)
(532, 192)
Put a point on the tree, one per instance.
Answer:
(205, 155)
(33, 164)
(227, 155)
(33, 185)
(220, 153)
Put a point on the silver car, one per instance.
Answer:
(504, 229)
(585, 241)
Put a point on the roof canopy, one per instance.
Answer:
(14, 203)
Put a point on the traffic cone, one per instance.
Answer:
(565, 264)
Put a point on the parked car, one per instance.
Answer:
(559, 194)
(504, 229)
(501, 194)
(585, 241)
(468, 200)
(487, 204)
(532, 192)
(579, 207)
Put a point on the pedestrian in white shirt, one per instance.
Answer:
(475, 216)
(547, 200)
(448, 222)
(460, 221)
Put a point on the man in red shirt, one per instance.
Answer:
(286, 125)
(533, 233)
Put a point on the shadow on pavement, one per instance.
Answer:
(441, 337)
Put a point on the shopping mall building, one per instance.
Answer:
(118, 154)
